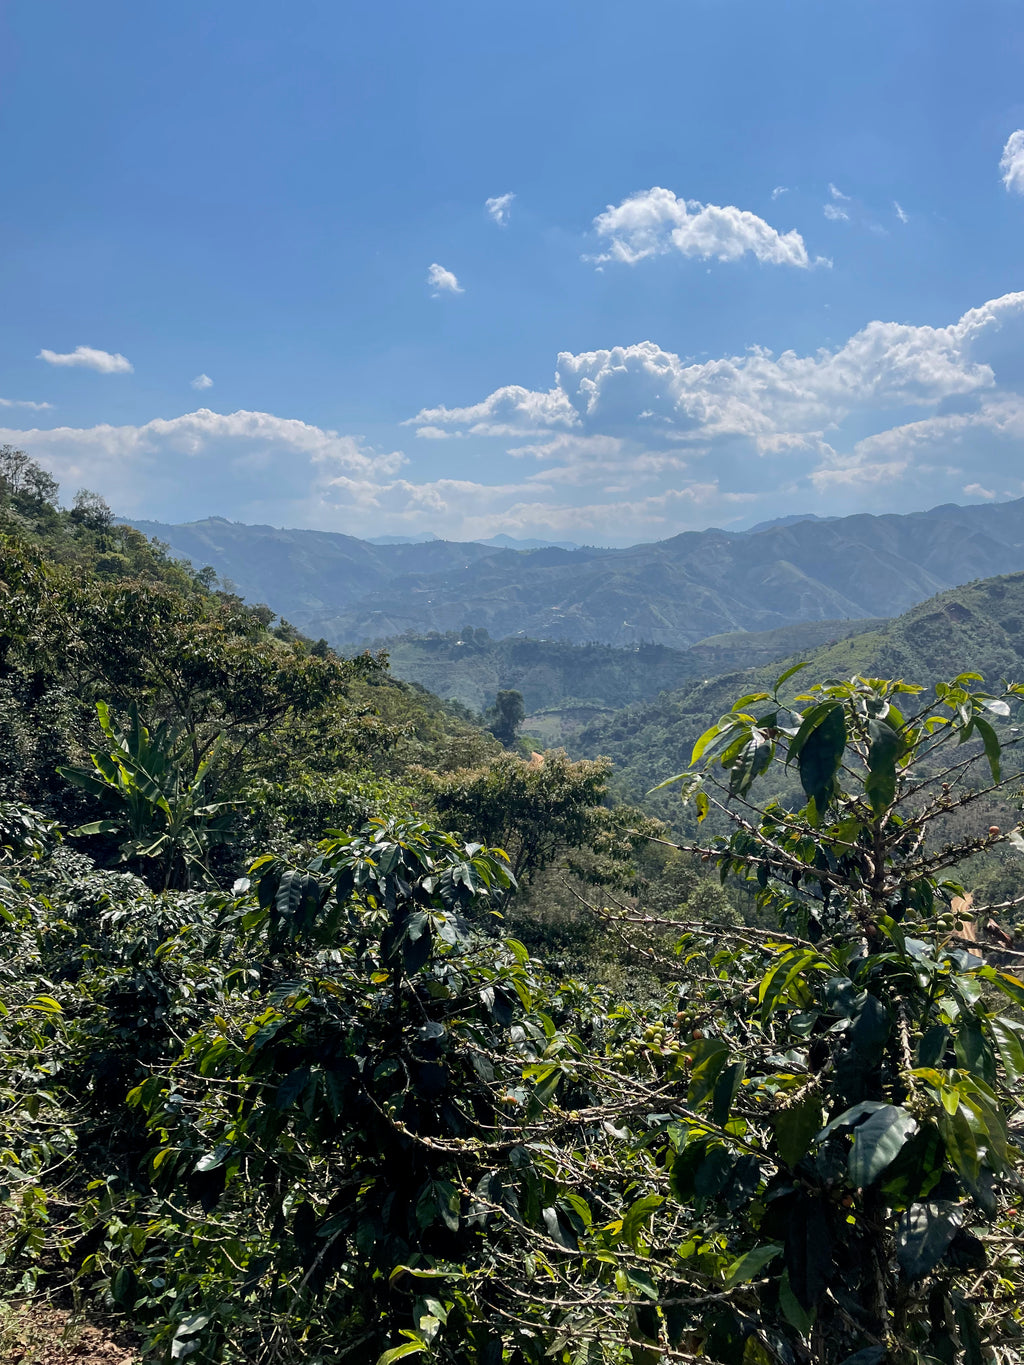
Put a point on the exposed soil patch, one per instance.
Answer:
(48, 1336)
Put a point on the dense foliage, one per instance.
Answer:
(333, 1110)
(981, 624)
(279, 1085)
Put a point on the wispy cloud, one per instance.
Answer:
(837, 193)
(656, 222)
(836, 214)
(443, 281)
(89, 358)
(499, 208)
(24, 403)
(1011, 163)
(779, 191)
(202, 381)
(901, 213)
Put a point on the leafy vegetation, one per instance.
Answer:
(982, 623)
(330, 1030)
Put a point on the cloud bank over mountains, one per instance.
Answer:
(630, 442)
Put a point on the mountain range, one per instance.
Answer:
(673, 592)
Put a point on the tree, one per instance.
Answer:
(92, 511)
(156, 799)
(506, 715)
(865, 1073)
(23, 480)
(534, 810)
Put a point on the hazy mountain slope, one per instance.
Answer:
(673, 592)
(304, 574)
(978, 627)
(697, 584)
(471, 667)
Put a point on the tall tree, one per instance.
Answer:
(506, 715)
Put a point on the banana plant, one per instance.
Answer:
(156, 799)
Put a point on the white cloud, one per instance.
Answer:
(837, 194)
(975, 490)
(187, 466)
(642, 388)
(443, 281)
(508, 411)
(633, 415)
(1011, 163)
(656, 222)
(837, 214)
(24, 403)
(779, 191)
(202, 381)
(87, 357)
(901, 213)
(499, 208)
(433, 433)
(629, 442)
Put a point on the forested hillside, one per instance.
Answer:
(672, 592)
(980, 626)
(330, 1029)
(471, 667)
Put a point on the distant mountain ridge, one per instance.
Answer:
(673, 592)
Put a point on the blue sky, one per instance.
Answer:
(759, 258)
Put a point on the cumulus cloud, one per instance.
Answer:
(1011, 163)
(24, 403)
(89, 358)
(202, 381)
(656, 222)
(186, 466)
(934, 402)
(885, 366)
(500, 207)
(442, 281)
(629, 442)
(509, 411)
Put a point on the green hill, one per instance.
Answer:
(978, 627)
(470, 667)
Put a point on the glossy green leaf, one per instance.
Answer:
(748, 1267)
(923, 1236)
(877, 1142)
(883, 754)
(820, 754)
(795, 1127)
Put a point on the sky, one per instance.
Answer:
(580, 271)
